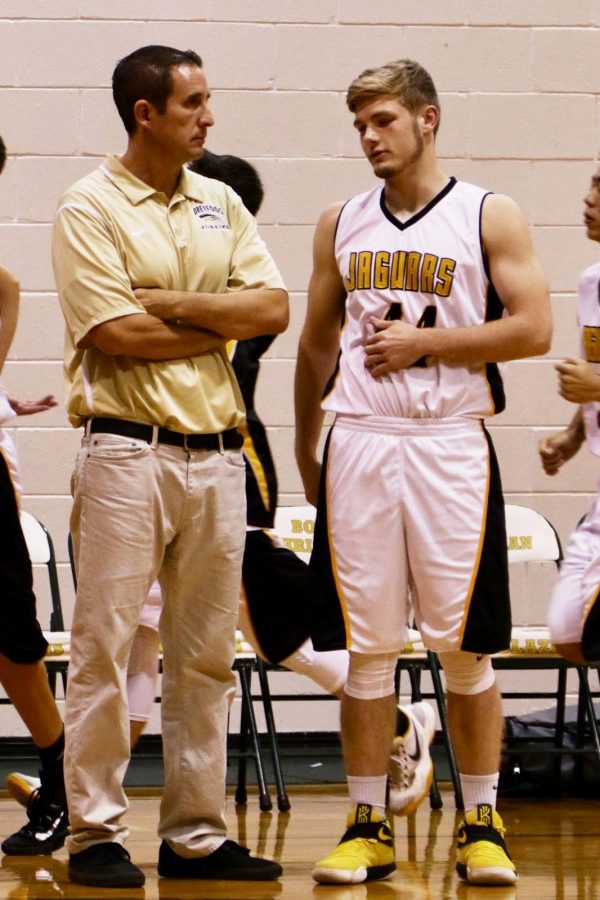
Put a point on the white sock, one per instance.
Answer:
(368, 789)
(478, 789)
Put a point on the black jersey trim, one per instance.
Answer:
(486, 265)
(402, 226)
(590, 638)
(493, 312)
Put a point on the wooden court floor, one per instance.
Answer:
(556, 846)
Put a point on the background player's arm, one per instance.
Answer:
(9, 312)
(236, 315)
(558, 448)
(9, 315)
(578, 381)
(318, 349)
(521, 286)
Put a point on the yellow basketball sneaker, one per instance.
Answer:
(365, 852)
(482, 857)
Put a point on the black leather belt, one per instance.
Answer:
(230, 439)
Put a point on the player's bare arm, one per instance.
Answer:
(236, 315)
(578, 381)
(521, 286)
(9, 311)
(318, 349)
(557, 449)
(147, 337)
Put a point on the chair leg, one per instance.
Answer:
(434, 668)
(559, 738)
(241, 794)
(584, 688)
(283, 802)
(263, 794)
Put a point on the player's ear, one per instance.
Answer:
(142, 113)
(430, 117)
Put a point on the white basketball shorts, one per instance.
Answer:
(574, 611)
(411, 514)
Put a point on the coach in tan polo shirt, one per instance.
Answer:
(159, 481)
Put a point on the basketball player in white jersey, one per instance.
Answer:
(574, 612)
(434, 282)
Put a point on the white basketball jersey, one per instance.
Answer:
(429, 270)
(588, 316)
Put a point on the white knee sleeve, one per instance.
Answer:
(467, 673)
(371, 676)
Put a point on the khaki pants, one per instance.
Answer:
(142, 512)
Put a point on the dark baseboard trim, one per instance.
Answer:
(306, 757)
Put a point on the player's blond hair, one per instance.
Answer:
(404, 79)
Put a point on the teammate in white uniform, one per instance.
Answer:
(435, 283)
(574, 612)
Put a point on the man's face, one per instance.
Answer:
(390, 136)
(591, 213)
(181, 130)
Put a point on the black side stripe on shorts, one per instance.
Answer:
(327, 624)
(488, 623)
(590, 639)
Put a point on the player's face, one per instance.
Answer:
(181, 130)
(390, 136)
(591, 213)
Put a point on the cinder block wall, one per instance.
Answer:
(518, 83)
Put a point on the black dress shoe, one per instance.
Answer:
(105, 865)
(229, 862)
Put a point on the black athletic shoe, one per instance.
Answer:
(46, 830)
(229, 862)
(105, 865)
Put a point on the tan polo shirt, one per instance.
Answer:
(113, 233)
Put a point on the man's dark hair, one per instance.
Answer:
(2, 154)
(146, 74)
(238, 173)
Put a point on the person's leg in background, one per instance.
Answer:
(24, 678)
(142, 673)
(142, 676)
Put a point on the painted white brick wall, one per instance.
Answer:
(518, 83)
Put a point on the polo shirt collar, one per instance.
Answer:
(137, 190)
(189, 186)
(133, 187)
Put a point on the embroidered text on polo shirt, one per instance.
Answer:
(210, 216)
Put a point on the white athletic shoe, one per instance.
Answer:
(410, 775)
